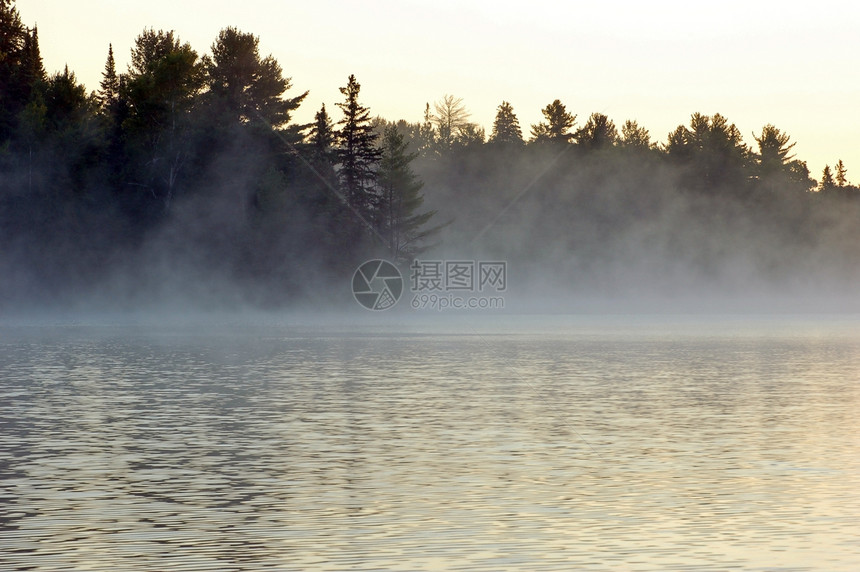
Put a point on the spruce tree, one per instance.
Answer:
(322, 139)
(32, 68)
(827, 183)
(506, 127)
(400, 198)
(109, 85)
(322, 136)
(357, 153)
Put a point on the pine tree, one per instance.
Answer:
(634, 137)
(66, 100)
(14, 92)
(426, 134)
(109, 92)
(246, 85)
(714, 150)
(827, 184)
(557, 125)
(506, 127)
(32, 68)
(841, 172)
(598, 133)
(357, 153)
(774, 149)
(164, 79)
(400, 198)
(322, 140)
(322, 135)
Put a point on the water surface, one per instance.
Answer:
(590, 444)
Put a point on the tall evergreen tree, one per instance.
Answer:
(599, 132)
(14, 90)
(109, 85)
(715, 151)
(32, 68)
(634, 137)
(774, 165)
(774, 148)
(357, 152)
(165, 76)
(400, 198)
(322, 140)
(66, 100)
(322, 136)
(426, 135)
(841, 174)
(506, 126)
(246, 85)
(556, 125)
(827, 183)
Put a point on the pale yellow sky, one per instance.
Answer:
(656, 62)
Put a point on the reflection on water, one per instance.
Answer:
(585, 448)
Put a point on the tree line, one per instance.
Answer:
(192, 165)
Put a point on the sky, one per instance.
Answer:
(656, 62)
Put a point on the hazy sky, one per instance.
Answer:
(656, 62)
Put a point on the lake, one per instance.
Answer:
(539, 443)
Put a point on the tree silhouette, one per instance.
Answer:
(841, 172)
(165, 76)
(634, 137)
(827, 183)
(32, 69)
(451, 120)
(109, 85)
(400, 198)
(322, 137)
(357, 152)
(245, 85)
(715, 151)
(773, 165)
(599, 132)
(14, 85)
(556, 125)
(506, 127)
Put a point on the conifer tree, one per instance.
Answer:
(400, 198)
(556, 125)
(841, 172)
(598, 132)
(109, 84)
(827, 182)
(357, 153)
(13, 89)
(322, 135)
(634, 137)
(246, 85)
(506, 127)
(32, 68)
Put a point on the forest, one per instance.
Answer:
(185, 177)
